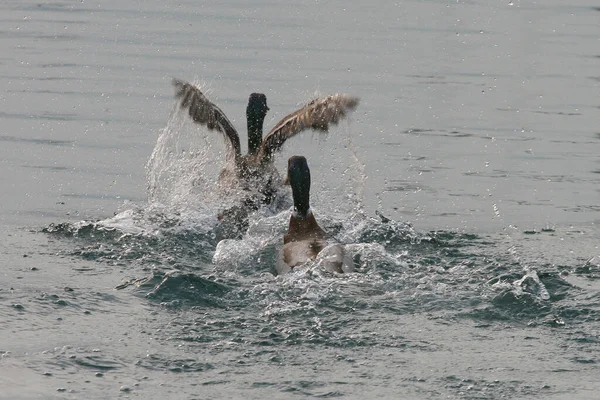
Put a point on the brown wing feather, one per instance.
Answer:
(204, 112)
(317, 115)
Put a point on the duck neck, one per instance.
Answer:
(301, 196)
(303, 228)
(255, 131)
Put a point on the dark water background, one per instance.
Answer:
(477, 134)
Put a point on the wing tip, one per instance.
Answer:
(347, 101)
(353, 102)
(180, 86)
(339, 100)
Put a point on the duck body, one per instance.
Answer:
(306, 240)
(252, 188)
(252, 178)
(254, 173)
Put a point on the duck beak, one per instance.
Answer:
(286, 181)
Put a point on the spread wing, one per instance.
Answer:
(204, 112)
(317, 115)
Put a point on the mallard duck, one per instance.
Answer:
(255, 171)
(305, 239)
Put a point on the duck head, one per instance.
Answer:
(299, 179)
(255, 116)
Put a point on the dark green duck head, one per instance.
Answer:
(299, 179)
(255, 116)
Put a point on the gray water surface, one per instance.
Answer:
(478, 125)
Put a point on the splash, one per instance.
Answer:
(184, 199)
(183, 167)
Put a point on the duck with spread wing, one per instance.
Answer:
(255, 172)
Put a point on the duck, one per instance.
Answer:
(255, 173)
(305, 240)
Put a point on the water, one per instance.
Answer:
(476, 139)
